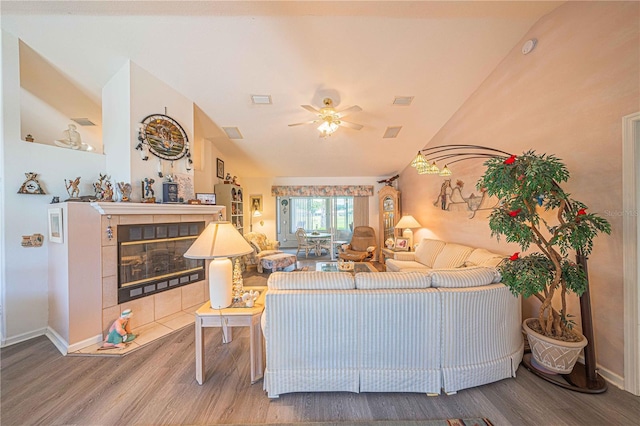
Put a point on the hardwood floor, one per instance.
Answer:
(156, 385)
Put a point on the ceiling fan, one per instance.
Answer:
(329, 118)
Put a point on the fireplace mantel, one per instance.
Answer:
(151, 208)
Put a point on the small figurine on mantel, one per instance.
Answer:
(108, 192)
(227, 178)
(125, 191)
(73, 188)
(100, 187)
(119, 335)
(235, 181)
(148, 194)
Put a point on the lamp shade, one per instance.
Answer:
(408, 221)
(219, 239)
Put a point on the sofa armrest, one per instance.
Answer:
(404, 255)
(273, 245)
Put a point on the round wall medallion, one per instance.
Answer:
(165, 137)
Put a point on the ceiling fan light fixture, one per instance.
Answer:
(233, 132)
(327, 127)
(391, 132)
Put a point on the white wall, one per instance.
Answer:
(24, 270)
(129, 97)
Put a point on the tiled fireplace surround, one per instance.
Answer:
(82, 275)
(154, 307)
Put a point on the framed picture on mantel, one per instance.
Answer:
(220, 169)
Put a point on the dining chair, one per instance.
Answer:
(327, 244)
(303, 243)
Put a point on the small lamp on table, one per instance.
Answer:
(219, 241)
(407, 222)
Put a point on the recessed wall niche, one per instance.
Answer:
(50, 100)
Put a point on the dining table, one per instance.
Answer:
(317, 239)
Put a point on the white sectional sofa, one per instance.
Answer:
(389, 331)
(436, 254)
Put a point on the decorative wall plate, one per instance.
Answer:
(165, 137)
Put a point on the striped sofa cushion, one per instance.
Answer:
(474, 276)
(427, 251)
(452, 256)
(393, 280)
(311, 280)
(483, 257)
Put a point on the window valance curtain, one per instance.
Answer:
(322, 191)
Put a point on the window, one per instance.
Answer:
(321, 213)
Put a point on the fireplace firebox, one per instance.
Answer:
(151, 258)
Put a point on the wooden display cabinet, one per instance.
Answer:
(232, 197)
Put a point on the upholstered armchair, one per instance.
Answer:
(362, 247)
(262, 247)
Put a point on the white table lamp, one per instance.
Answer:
(219, 241)
(408, 222)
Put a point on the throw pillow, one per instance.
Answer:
(452, 256)
(427, 251)
(255, 246)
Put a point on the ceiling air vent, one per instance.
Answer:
(233, 132)
(261, 99)
(83, 121)
(403, 100)
(391, 132)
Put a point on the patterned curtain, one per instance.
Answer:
(322, 191)
(360, 211)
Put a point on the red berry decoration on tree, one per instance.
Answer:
(582, 212)
(514, 213)
(510, 160)
(515, 256)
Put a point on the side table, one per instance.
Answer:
(385, 254)
(227, 318)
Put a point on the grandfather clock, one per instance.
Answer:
(389, 198)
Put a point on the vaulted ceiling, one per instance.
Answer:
(361, 53)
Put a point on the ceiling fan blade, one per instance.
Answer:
(349, 110)
(310, 109)
(354, 126)
(306, 122)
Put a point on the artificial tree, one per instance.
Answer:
(535, 211)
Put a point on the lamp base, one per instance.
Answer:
(220, 283)
(408, 233)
